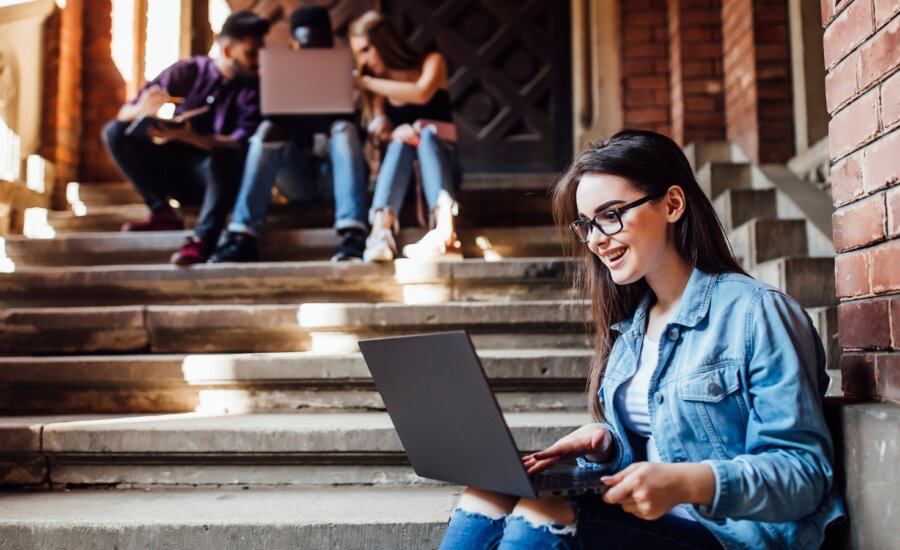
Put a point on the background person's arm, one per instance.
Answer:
(434, 75)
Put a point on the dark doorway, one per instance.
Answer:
(510, 77)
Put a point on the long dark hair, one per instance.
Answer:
(396, 52)
(652, 163)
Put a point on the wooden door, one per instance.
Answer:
(510, 77)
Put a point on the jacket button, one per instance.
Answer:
(659, 398)
(673, 334)
(714, 389)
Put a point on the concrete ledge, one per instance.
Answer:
(808, 280)
(310, 517)
(403, 280)
(116, 248)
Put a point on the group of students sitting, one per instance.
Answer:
(705, 387)
(226, 158)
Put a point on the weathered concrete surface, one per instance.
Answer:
(717, 177)
(551, 379)
(269, 433)
(345, 518)
(868, 436)
(21, 459)
(810, 281)
(61, 330)
(738, 206)
(763, 239)
(114, 248)
(280, 282)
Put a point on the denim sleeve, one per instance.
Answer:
(786, 471)
(613, 465)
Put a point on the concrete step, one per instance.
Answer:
(738, 206)
(551, 379)
(403, 280)
(343, 518)
(496, 200)
(123, 192)
(717, 177)
(260, 449)
(94, 249)
(319, 327)
(867, 437)
(762, 239)
(825, 321)
(702, 152)
(808, 280)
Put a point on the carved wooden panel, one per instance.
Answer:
(510, 77)
(278, 11)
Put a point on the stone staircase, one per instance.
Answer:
(227, 405)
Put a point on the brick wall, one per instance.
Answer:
(61, 124)
(645, 65)
(695, 65)
(104, 92)
(758, 103)
(863, 96)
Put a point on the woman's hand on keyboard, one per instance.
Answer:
(590, 440)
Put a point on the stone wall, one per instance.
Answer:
(863, 95)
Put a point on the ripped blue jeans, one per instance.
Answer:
(598, 525)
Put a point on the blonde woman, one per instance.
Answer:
(407, 105)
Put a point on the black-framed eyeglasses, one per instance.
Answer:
(609, 222)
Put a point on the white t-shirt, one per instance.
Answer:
(631, 402)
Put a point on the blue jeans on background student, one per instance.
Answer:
(438, 163)
(299, 179)
(598, 525)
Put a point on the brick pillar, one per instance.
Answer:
(61, 121)
(645, 65)
(863, 97)
(758, 103)
(104, 92)
(695, 65)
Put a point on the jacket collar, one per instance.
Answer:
(692, 308)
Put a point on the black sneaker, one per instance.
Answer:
(353, 244)
(238, 247)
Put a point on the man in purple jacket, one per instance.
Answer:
(201, 161)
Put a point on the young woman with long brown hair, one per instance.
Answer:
(706, 386)
(406, 104)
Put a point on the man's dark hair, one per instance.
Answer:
(244, 24)
(318, 20)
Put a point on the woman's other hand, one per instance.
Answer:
(406, 134)
(650, 490)
(590, 440)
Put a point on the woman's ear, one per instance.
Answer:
(675, 203)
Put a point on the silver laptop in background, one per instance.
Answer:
(313, 81)
(449, 422)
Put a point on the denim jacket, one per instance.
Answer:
(739, 387)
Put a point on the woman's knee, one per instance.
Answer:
(539, 511)
(487, 503)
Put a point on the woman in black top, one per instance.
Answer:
(406, 103)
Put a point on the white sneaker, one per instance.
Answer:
(380, 246)
(433, 246)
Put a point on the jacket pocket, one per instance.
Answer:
(714, 403)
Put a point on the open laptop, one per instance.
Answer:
(306, 82)
(449, 422)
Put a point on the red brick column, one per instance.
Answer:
(695, 65)
(61, 121)
(104, 92)
(863, 94)
(758, 108)
(645, 65)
